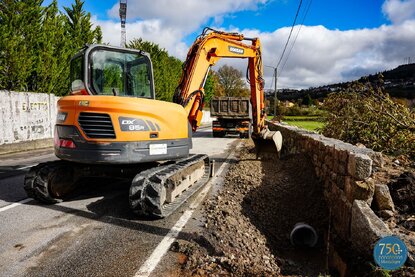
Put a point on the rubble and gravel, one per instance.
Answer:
(399, 176)
(248, 222)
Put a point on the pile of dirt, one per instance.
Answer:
(399, 175)
(402, 190)
(248, 223)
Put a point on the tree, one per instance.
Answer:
(167, 69)
(212, 87)
(53, 52)
(307, 101)
(19, 28)
(230, 79)
(37, 43)
(79, 27)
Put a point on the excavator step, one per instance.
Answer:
(160, 191)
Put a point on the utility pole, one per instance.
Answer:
(123, 17)
(275, 92)
(275, 88)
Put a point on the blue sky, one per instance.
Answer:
(342, 15)
(339, 41)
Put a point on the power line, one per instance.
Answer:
(291, 31)
(296, 36)
(286, 44)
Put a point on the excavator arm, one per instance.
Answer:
(206, 51)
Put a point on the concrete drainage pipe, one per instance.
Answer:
(303, 235)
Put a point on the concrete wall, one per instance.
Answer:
(345, 171)
(26, 119)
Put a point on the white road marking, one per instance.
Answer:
(150, 264)
(8, 207)
(24, 167)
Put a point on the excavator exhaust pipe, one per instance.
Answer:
(269, 143)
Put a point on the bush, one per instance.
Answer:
(367, 115)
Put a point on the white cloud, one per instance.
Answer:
(320, 55)
(151, 30)
(399, 11)
(187, 15)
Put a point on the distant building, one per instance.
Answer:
(288, 104)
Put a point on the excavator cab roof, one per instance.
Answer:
(108, 70)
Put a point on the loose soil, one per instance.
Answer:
(248, 222)
(399, 174)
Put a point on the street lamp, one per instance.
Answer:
(275, 88)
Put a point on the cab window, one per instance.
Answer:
(120, 73)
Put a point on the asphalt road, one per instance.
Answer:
(92, 234)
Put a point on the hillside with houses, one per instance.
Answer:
(398, 82)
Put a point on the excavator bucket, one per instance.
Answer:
(268, 145)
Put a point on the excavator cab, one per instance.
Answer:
(107, 70)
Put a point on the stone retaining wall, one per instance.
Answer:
(345, 172)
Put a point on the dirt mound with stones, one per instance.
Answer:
(399, 175)
(248, 223)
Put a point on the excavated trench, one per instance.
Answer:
(249, 221)
(289, 193)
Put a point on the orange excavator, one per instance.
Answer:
(111, 126)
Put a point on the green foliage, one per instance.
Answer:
(79, 26)
(304, 111)
(112, 76)
(212, 87)
(20, 23)
(37, 42)
(307, 101)
(308, 123)
(167, 69)
(209, 88)
(230, 79)
(367, 115)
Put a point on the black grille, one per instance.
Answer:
(96, 125)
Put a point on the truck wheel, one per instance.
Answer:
(218, 134)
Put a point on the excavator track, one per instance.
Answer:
(158, 192)
(38, 180)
